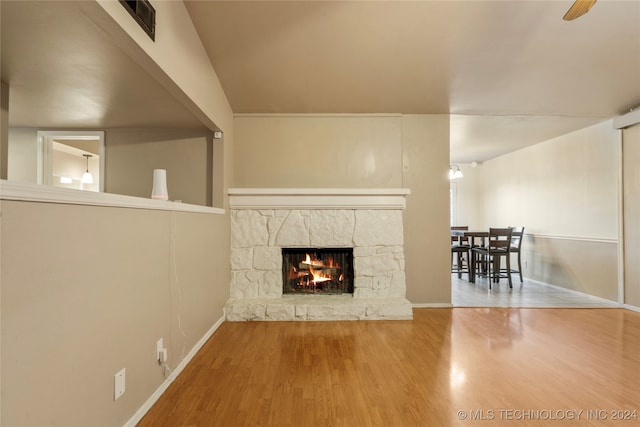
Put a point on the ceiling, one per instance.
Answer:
(512, 73)
(63, 71)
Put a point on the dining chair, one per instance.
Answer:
(491, 255)
(517, 236)
(476, 239)
(460, 251)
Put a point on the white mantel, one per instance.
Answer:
(318, 198)
(265, 220)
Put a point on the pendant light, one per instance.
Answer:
(87, 178)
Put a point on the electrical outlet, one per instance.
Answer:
(119, 382)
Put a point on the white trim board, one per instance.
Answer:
(626, 120)
(576, 238)
(318, 198)
(631, 307)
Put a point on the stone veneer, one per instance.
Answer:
(259, 234)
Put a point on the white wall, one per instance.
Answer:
(4, 128)
(362, 151)
(567, 186)
(131, 155)
(425, 150)
(23, 155)
(322, 151)
(631, 174)
(469, 198)
(565, 192)
(87, 291)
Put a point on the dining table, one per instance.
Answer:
(475, 239)
(474, 236)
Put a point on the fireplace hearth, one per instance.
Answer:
(317, 271)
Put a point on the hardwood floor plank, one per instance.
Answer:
(492, 365)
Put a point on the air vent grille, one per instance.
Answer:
(144, 14)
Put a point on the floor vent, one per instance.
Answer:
(144, 14)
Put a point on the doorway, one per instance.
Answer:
(71, 159)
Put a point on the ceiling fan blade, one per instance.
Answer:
(579, 8)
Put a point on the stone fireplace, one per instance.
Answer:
(364, 223)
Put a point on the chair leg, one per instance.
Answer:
(519, 267)
(472, 267)
(490, 271)
(508, 257)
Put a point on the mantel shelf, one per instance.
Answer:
(318, 198)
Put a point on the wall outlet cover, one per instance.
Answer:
(119, 382)
(159, 349)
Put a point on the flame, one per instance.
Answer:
(317, 269)
(313, 262)
(314, 272)
(319, 275)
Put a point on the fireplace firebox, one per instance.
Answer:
(317, 270)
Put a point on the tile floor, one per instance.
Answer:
(527, 294)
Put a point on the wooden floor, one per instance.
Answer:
(447, 367)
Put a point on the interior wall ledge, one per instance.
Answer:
(632, 118)
(28, 192)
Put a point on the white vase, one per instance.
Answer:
(159, 190)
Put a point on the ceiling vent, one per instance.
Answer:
(144, 14)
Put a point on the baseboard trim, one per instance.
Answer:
(432, 305)
(573, 291)
(631, 307)
(141, 412)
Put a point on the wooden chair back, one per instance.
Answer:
(459, 240)
(517, 234)
(499, 240)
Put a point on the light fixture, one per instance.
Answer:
(455, 172)
(87, 178)
(65, 179)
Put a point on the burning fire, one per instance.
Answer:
(313, 262)
(320, 272)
